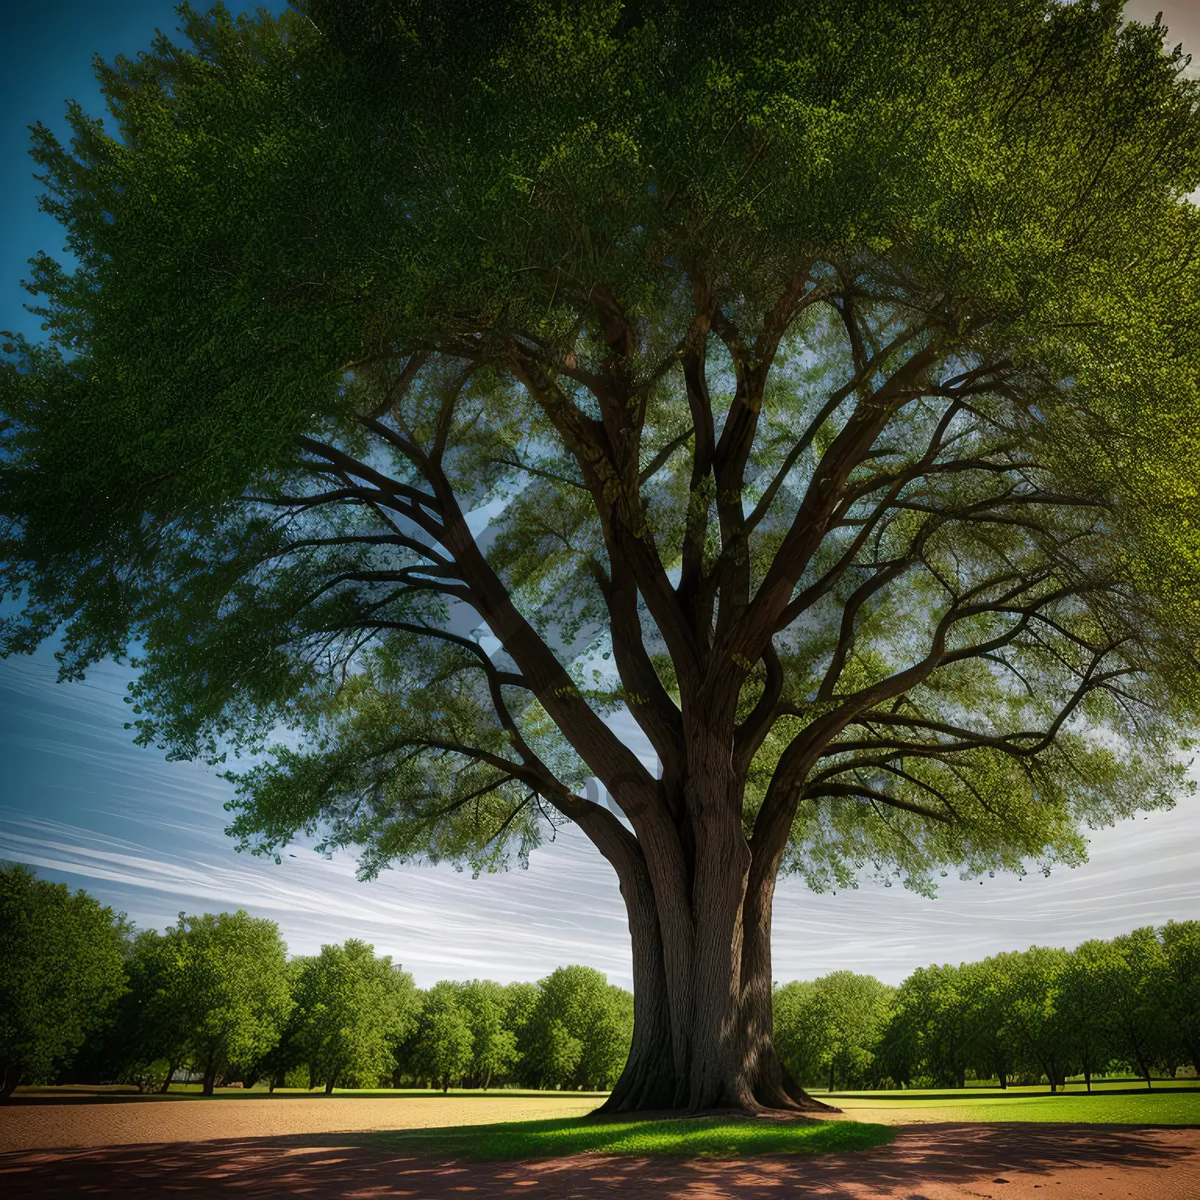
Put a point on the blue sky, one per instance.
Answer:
(82, 804)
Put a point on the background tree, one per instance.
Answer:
(828, 373)
(994, 1043)
(1135, 965)
(829, 1030)
(151, 1034)
(932, 1013)
(287, 1054)
(1180, 983)
(1084, 1003)
(223, 990)
(350, 1008)
(579, 1033)
(520, 1008)
(493, 1044)
(62, 967)
(441, 1045)
(1034, 1011)
(796, 1033)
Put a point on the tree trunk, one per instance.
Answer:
(10, 1076)
(1087, 1077)
(172, 1067)
(703, 1036)
(329, 1086)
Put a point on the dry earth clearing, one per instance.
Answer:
(303, 1146)
(44, 1125)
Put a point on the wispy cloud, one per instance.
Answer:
(79, 802)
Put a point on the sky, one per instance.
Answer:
(83, 805)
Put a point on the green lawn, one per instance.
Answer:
(1178, 1106)
(695, 1137)
(994, 1091)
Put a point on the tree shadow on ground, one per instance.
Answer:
(924, 1163)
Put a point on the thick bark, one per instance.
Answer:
(329, 1086)
(703, 1025)
(10, 1076)
(172, 1067)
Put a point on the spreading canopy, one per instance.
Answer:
(812, 384)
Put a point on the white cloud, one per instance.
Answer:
(79, 802)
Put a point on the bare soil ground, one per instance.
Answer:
(925, 1162)
(45, 1125)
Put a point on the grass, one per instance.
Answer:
(1178, 1106)
(995, 1092)
(711, 1137)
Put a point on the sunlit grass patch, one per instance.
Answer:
(1167, 1107)
(717, 1137)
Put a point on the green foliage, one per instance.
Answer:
(1042, 1013)
(1180, 983)
(710, 1137)
(350, 273)
(62, 967)
(221, 992)
(442, 1045)
(493, 1045)
(1084, 1004)
(1034, 1018)
(149, 1036)
(931, 1026)
(1136, 964)
(351, 1008)
(579, 1033)
(828, 1031)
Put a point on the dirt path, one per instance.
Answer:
(927, 1162)
(43, 1125)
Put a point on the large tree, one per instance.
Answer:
(813, 385)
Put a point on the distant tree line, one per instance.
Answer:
(1040, 1015)
(84, 997)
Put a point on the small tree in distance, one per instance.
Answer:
(828, 1029)
(578, 1033)
(62, 968)
(1180, 985)
(223, 995)
(351, 1008)
(441, 1042)
(811, 384)
(493, 1046)
(1085, 1003)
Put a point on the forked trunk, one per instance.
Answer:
(703, 1023)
